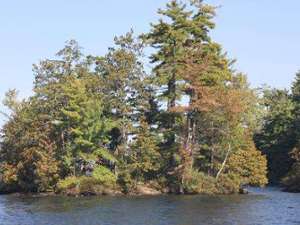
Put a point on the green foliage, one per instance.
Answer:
(68, 183)
(229, 183)
(291, 181)
(277, 136)
(8, 179)
(104, 176)
(126, 182)
(145, 159)
(100, 123)
(101, 182)
(90, 186)
(105, 155)
(199, 183)
(250, 166)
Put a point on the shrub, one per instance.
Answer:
(68, 183)
(101, 180)
(8, 179)
(229, 183)
(292, 180)
(250, 165)
(126, 182)
(198, 183)
(104, 176)
(87, 185)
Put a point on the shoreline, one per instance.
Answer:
(243, 191)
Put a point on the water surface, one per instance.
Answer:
(262, 206)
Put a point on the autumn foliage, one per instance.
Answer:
(97, 124)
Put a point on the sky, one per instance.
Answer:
(263, 36)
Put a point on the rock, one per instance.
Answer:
(110, 192)
(243, 191)
(144, 190)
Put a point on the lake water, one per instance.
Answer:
(262, 206)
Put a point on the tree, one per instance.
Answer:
(212, 127)
(277, 138)
(291, 180)
(97, 124)
(186, 27)
(122, 75)
(145, 158)
(27, 152)
(64, 121)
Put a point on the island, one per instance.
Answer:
(109, 125)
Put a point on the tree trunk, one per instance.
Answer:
(212, 156)
(224, 162)
(172, 104)
(172, 92)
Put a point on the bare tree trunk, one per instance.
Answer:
(212, 155)
(224, 162)
(62, 136)
(189, 135)
(193, 141)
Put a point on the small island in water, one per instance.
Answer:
(191, 125)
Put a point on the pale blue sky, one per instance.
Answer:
(262, 35)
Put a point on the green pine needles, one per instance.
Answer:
(106, 125)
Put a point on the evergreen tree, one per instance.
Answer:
(27, 152)
(291, 180)
(122, 75)
(277, 137)
(145, 159)
(100, 124)
(182, 28)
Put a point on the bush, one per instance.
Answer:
(104, 176)
(68, 183)
(162, 184)
(291, 181)
(229, 184)
(250, 165)
(88, 185)
(85, 186)
(8, 179)
(198, 183)
(100, 182)
(126, 182)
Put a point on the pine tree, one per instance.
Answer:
(96, 123)
(277, 136)
(145, 159)
(122, 75)
(292, 177)
(186, 27)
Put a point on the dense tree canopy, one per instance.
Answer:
(97, 124)
(279, 136)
